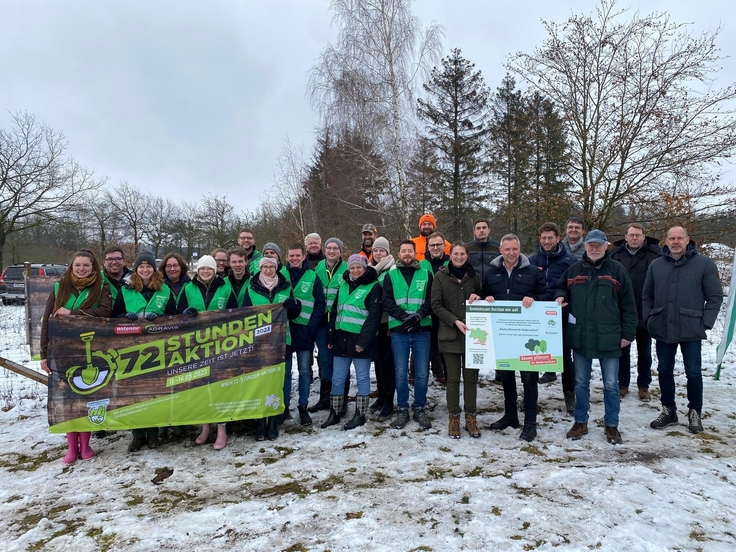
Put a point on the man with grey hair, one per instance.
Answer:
(681, 299)
(313, 243)
(601, 322)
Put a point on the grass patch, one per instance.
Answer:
(24, 462)
(496, 511)
(293, 487)
(134, 501)
(169, 499)
(437, 473)
(533, 450)
(328, 483)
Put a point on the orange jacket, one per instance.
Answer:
(420, 245)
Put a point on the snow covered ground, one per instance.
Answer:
(377, 488)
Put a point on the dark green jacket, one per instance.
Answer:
(448, 304)
(602, 306)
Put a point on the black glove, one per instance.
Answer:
(131, 316)
(150, 316)
(291, 303)
(190, 311)
(411, 321)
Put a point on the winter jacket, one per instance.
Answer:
(602, 305)
(114, 284)
(311, 261)
(208, 293)
(433, 265)
(389, 299)
(239, 287)
(178, 286)
(681, 297)
(525, 281)
(120, 307)
(553, 264)
(422, 249)
(481, 254)
(575, 250)
(302, 335)
(636, 265)
(344, 342)
(448, 304)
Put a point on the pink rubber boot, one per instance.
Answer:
(72, 440)
(221, 441)
(204, 435)
(84, 448)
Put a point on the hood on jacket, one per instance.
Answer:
(559, 251)
(469, 269)
(648, 243)
(369, 276)
(690, 250)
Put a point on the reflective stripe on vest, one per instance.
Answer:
(330, 284)
(256, 299)
(136, 302)
(304, 291)
(409, 298)
(196, 300)
(351, 311)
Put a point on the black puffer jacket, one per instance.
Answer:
(637, 265)
(681, 297)
(343, 343)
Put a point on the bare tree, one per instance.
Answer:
(219, 222)
(289, 197)
(38, 180)
(160, 227)
(189, 228)
(637, 100)
(367, 83)
(132, 207)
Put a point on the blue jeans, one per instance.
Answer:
(419, 344)
(341, 374)
(691, 357)
(304, 365)
(611, 400)
(324, 355)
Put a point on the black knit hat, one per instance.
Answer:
(144, 257)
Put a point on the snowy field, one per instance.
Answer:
(375, 488)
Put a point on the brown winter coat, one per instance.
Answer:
(448, 304)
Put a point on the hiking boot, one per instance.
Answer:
(420, 417)
(577, 431)
(667, 418)
(402, 418)
(548, 377)
(623, 391)
(471, 425)
(304, 418)
(505, 421)
(285, 415)
(613, 436)
(529, 432)
(453, 429)
(570, 403)
(694, 423)
(644, 394)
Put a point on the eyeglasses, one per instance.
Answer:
(221, 261)
(245, 237)
(172, 266)
(113, 259)
(436, 244)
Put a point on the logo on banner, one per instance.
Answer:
(273, 401)
(97, 410)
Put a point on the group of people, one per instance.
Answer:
(405, 314)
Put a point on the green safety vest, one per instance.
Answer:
(256, 299)
(424, 263)
(409, 298)
(136, 302)
(351, 311)
(241, 294)
(74, 302)
(113, 289)
(330, 282)
(195, 299)
(304, 291)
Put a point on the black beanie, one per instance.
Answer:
(144, 257)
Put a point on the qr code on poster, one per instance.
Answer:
(478, 358)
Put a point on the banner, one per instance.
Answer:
(37, 293)
(113, 374)
(504, 335)
(730, 322)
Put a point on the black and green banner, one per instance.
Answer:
(115, 374)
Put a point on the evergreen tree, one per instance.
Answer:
(456, 117)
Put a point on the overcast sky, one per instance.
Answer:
(184, 97)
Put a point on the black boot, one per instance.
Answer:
(304, 418)
(361, 405)
(344, 409)
(388, 407)
(378, 403)
(272, 428)
(260, 433)
(507, 420)
(336, 402)
(153, 442)
(324, 397)
(529, 432)
(139, 438)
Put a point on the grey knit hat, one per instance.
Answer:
(336, 241)
(381, 243)
(273, 247)
(144, 257)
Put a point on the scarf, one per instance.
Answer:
(457, 272)
(83, 283)
(268, 283)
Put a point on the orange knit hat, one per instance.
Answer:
(426, 217)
